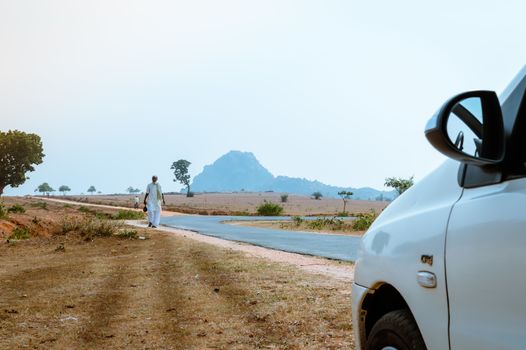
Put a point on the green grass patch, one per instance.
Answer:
(3, 211)
(17, 209)
(129, 215)
(96, 213)
(364, 220)
(40, 205)
(127, 234)
(20, 233)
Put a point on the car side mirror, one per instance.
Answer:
(469, 128)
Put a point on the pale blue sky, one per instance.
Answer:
(337, 91)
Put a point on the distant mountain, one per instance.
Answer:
(236, 171)
(232, 172)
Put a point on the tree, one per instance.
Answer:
(92, 189)
(345, 196)
(399, 184)
(132, 190)
(180, 169)
(64, 189)
(45, 189)
(19, 152)
(317, 195)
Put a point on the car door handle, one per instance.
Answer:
(426, 279)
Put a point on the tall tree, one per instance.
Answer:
(19, 152)
(92, 189)
(317, 195)
(44, 189)
(346, 195)
(399, 184)
(180, 169)
(132, 190)
(64, 189)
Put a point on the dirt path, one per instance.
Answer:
(65, 201)
(165, 292)
(340, 270)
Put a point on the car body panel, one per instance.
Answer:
(412, 226)
(485, 265)
(358, 295)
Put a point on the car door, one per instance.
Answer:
(486, 267)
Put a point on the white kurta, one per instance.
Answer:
(154, 203)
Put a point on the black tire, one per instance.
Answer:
(396, 329)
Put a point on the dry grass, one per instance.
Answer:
(164, 292)
(245, 203)
(345, 229)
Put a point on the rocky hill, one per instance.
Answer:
(241, 171)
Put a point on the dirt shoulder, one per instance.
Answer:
(165, 292)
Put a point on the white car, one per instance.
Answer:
(444, 266)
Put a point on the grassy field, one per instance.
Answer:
(245, 203)
(75, 291)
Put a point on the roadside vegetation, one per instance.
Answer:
(358, 224)
(118, 215)
(269, 209)
(399, 184)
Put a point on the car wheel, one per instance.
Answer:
(396, 330)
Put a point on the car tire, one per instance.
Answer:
(396, 330)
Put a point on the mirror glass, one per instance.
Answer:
(464, 126)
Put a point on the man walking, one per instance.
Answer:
(152, 200)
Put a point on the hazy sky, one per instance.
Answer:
(338, 91)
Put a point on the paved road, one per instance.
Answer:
(338, 247)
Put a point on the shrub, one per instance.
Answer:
(69, 224)
(96, 213)
(364, 220)
(84, 209)
(67, 206)
(20, 233)
(41, 205)
(298, 220)
(16, 208)
(284, 198)
(342, 214)
(324, 223)
(317, 195)
(269, 209)
(128, 234)
(190, 194)
(98, 228)
(3, 212)
(128, 215)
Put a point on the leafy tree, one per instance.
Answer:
(345, 196)
(132, 190)
(64, 189)
(92, 189)
(399, 184)
(45, 189)
(317, 195)
(19, 152)
(180, 169)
